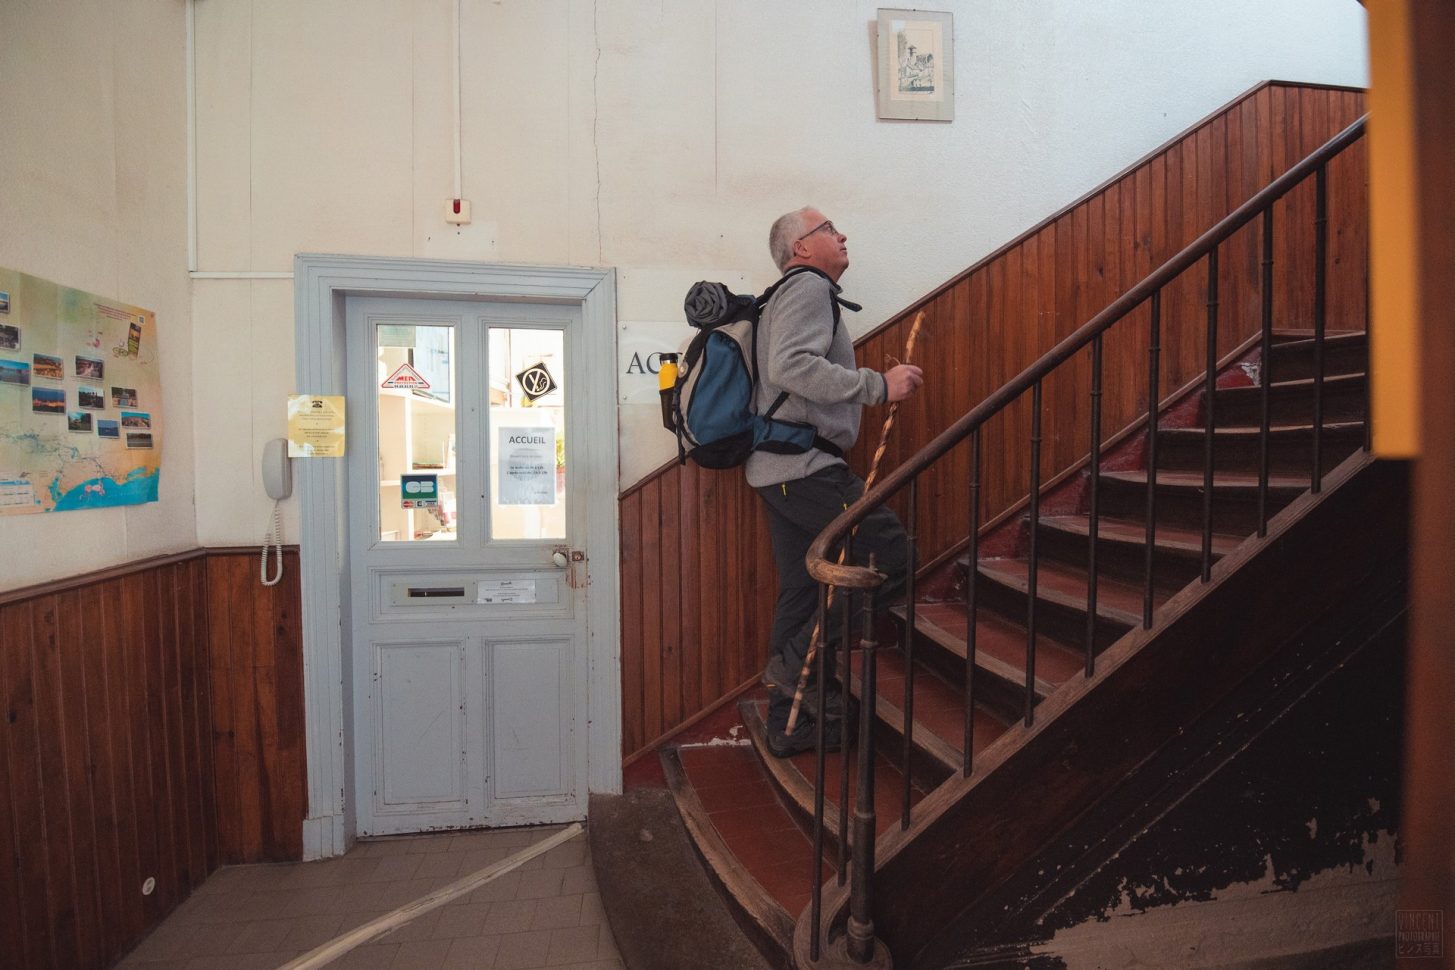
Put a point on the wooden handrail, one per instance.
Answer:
(859, 577)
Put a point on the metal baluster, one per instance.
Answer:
(909, 612)
(1321, 247)
(1031, 577)
(1368, 361)
(1154, 353)
(860, 940)
(1095, 508)
(816, 880)
(970, 604)
(1266, 377)
(845, 678)
(1209, 388)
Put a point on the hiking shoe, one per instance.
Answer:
(783, 682)
(803, 738)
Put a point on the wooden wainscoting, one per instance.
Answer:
(693, 545)
(152, 728)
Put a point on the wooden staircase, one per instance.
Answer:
(1052, 668)
(752, 815)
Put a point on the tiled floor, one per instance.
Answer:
(547, 913)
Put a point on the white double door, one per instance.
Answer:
(467, 599)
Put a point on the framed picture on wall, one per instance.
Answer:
(916, 65)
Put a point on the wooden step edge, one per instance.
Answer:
(1274, 431)
(768, 921)
(1057, 598)
(790, 783)
(1342, 382)
(1281, 486)
(1296, 334)
(1223, 543)
(955, 646)
(940, 752)
(1296, 338)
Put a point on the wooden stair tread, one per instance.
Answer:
(1332, 383)
(1283, 485)
(939, 709)
(1056, 582)
(766, 850)
(1000, 643)
(1169, 537)
(1275, 431)
(1283, 336)
(794, 777)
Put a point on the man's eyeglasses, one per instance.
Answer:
(827, 224)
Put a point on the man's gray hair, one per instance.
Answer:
(786, 230)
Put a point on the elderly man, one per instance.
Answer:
(803, 350)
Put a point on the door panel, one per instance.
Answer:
(530, 729)
(421, 729)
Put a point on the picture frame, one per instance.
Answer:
(916, 65)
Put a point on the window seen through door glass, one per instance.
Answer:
(416, 382)
(527, 434)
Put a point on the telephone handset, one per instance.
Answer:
(278, 483)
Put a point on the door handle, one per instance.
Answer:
(560, 558)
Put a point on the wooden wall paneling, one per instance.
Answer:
(290, 784)
(25, 789)
(632, 736)
(185, 765)
(156, 811)
(652, 606)
(671, 601)
(690, 577)
(705, 542)
(11, 915)
(197, 682)
(117, 712)
(50, 730)
(84, 855)
(223, 714)
(137, 605)
(241, 672)
(103, 748)
(176, 833)
(271, 791)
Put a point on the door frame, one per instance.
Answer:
(320, 284)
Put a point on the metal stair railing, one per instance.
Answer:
(864, 580)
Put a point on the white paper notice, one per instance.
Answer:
(505, 591)
(527, 458)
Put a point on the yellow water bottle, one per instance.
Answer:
(666, 382)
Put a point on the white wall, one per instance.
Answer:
(93, 195)
(662, 138)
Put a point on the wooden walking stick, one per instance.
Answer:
(873, 472)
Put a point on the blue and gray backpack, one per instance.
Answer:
(710, 407)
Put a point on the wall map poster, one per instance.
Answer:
(80, 399)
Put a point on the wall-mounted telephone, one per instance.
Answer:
(277, 469)
(278, 483)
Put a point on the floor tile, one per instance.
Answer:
(520, 951)
(573, 945)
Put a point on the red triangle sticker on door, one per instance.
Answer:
(405, 376)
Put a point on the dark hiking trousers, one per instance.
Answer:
(797, 512)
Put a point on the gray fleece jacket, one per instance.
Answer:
(799, 352)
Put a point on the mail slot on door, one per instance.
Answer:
(450, 592)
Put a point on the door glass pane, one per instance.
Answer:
(416, 380)
(527, 434)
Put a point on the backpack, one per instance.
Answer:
(709, 407)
